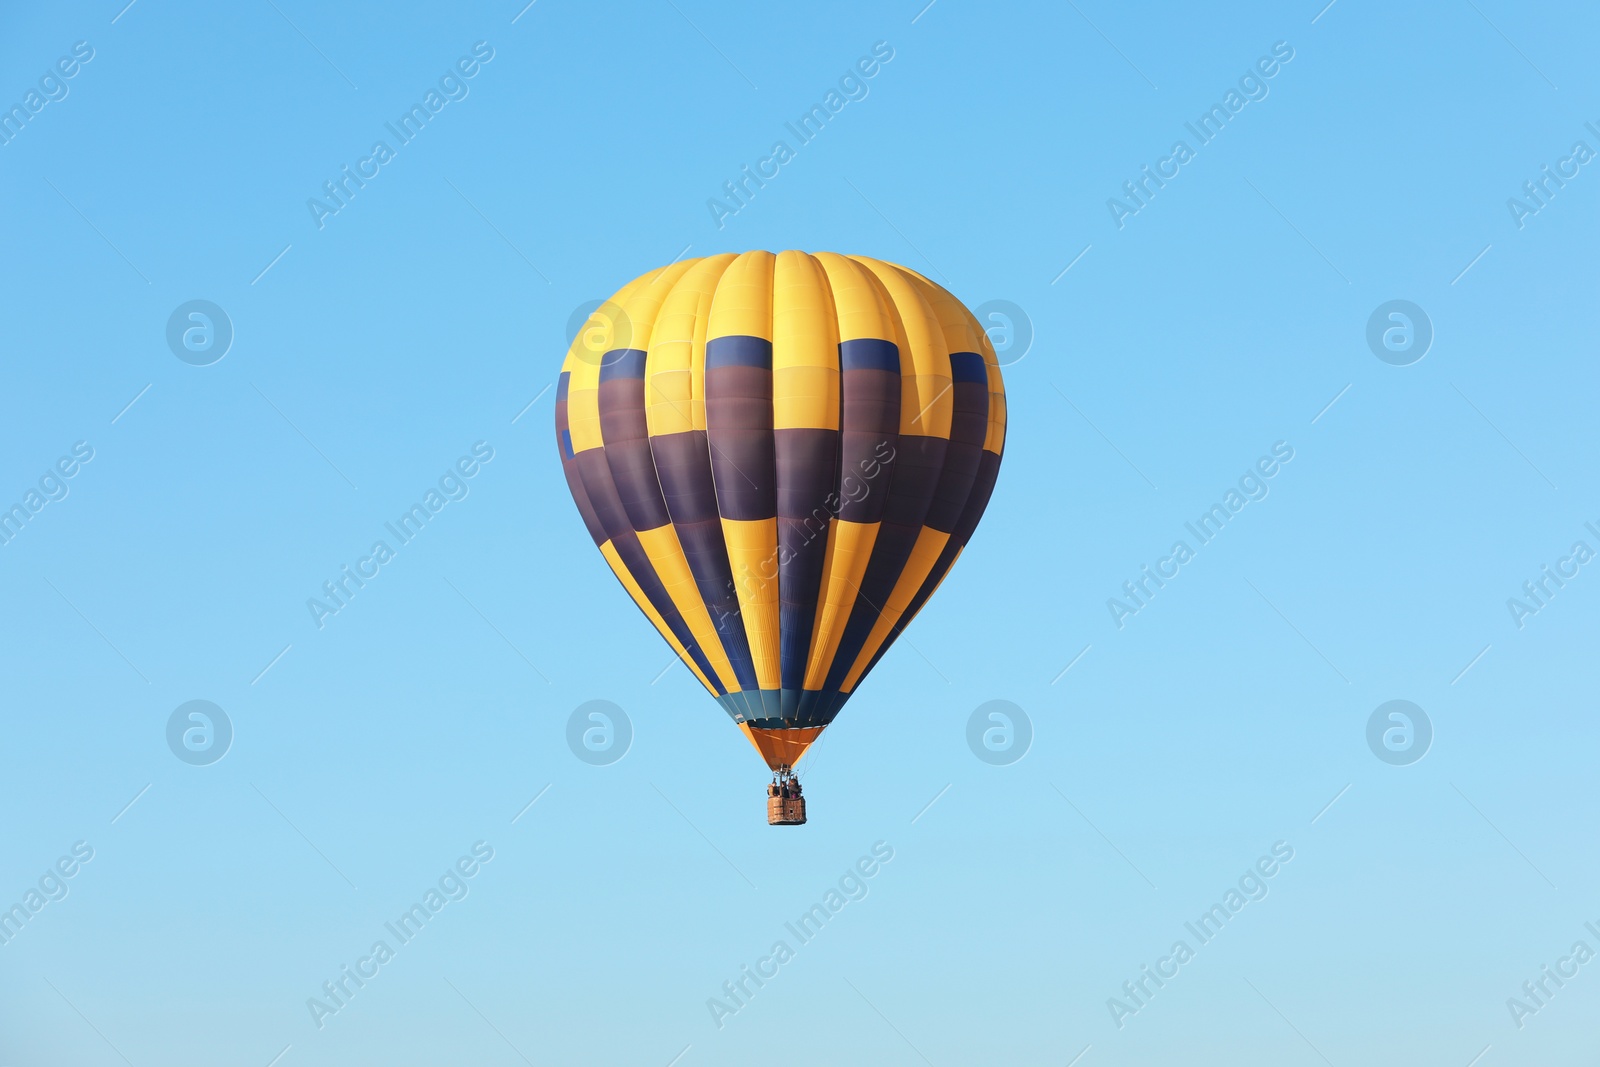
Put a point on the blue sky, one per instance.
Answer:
(373, 348)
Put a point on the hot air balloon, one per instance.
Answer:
(781, 456)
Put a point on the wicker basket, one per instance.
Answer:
(789, 811)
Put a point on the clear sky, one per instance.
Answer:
(1227, 317)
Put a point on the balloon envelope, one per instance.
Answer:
(780, 457)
